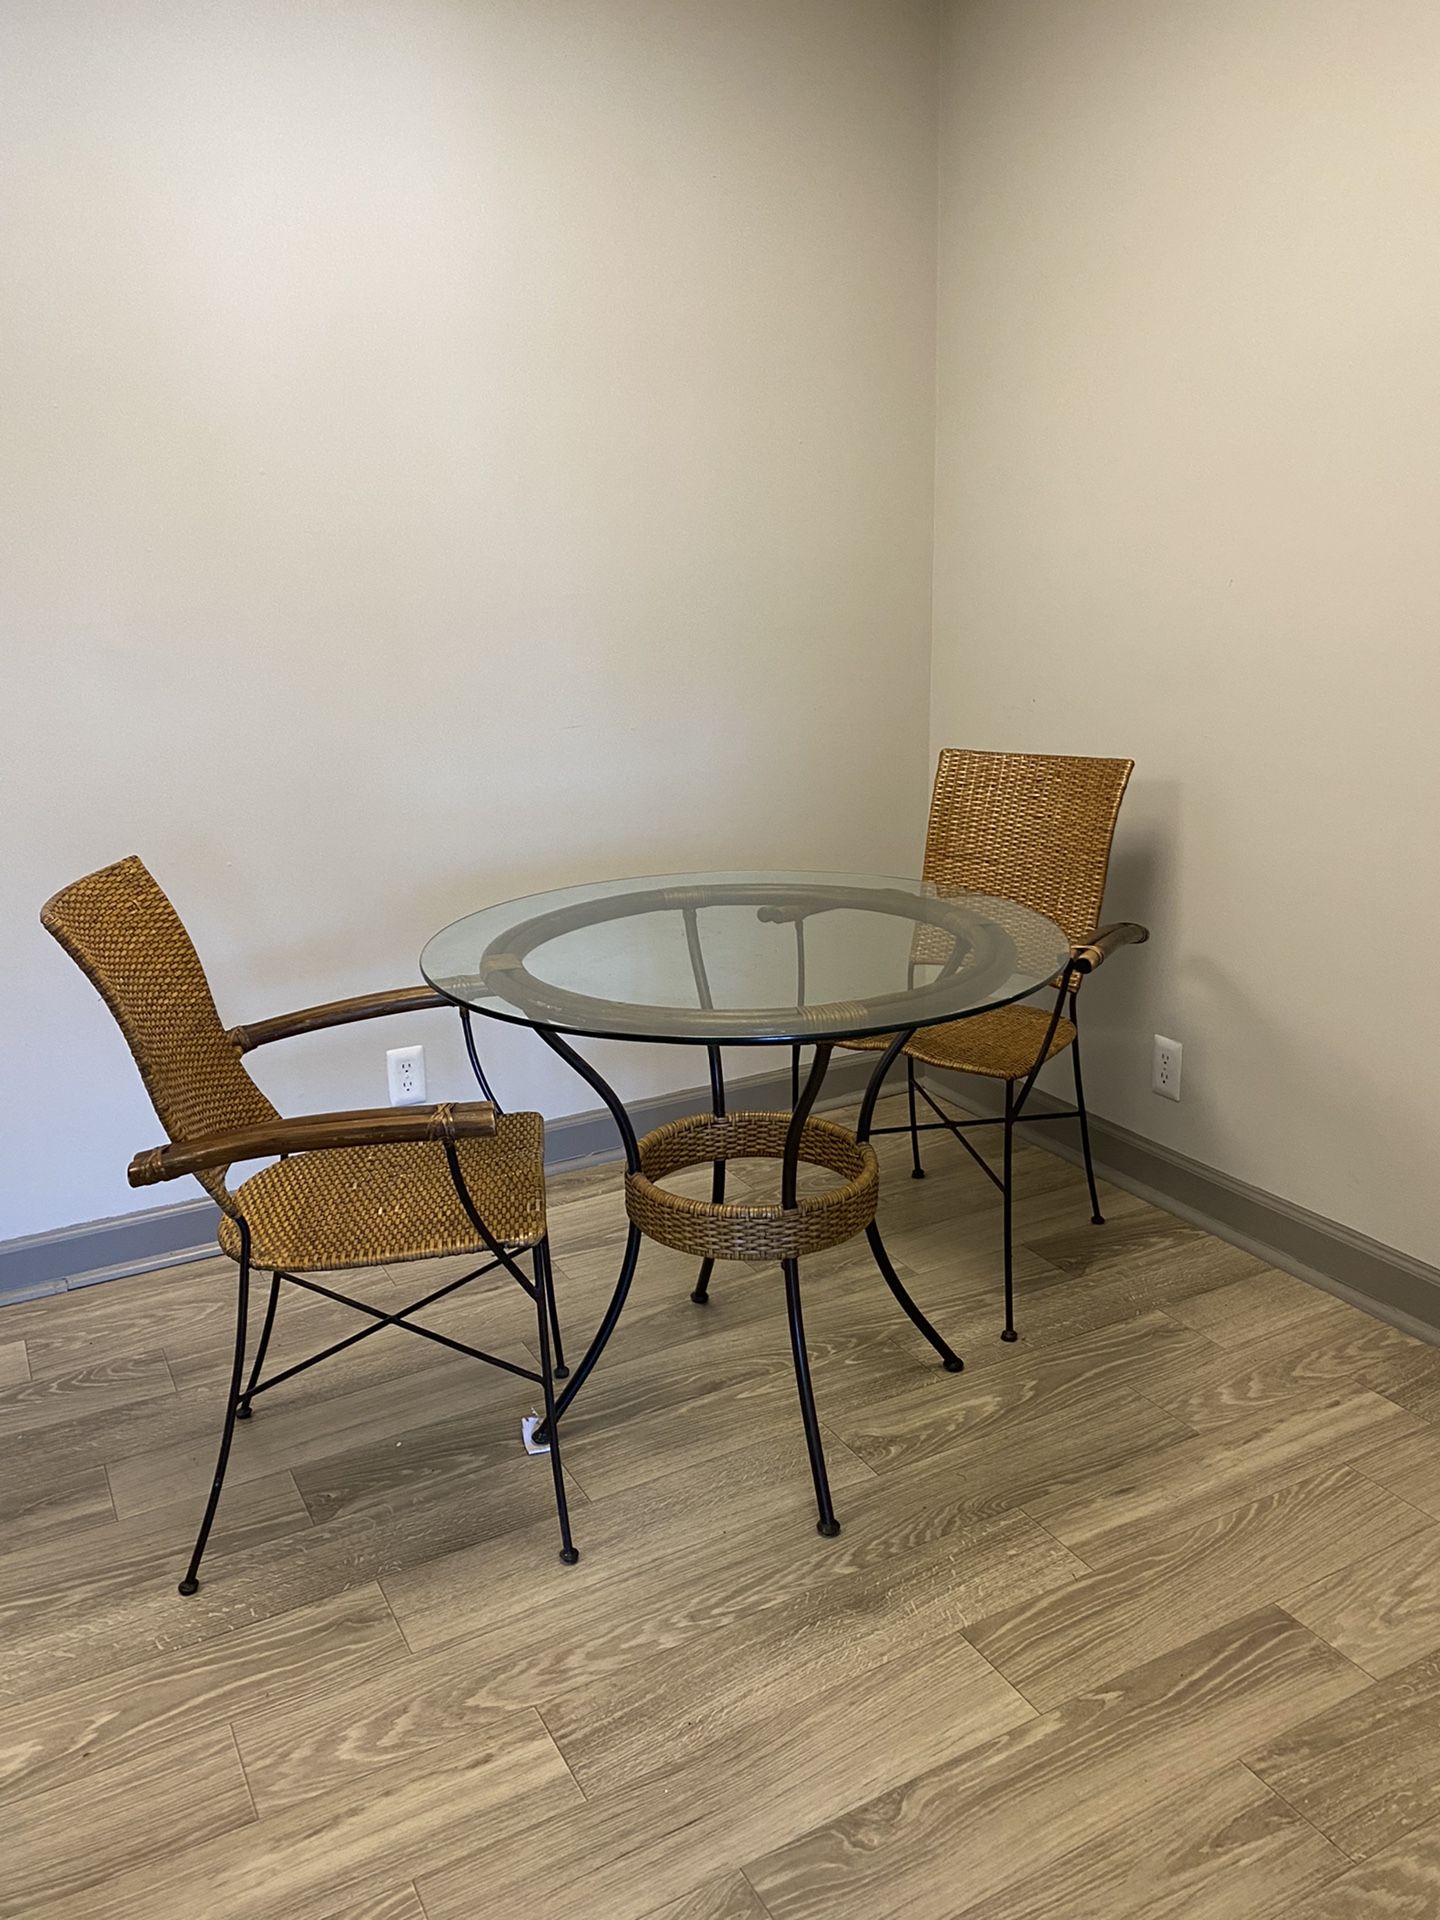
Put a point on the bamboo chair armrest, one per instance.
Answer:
(367, 1127)
(1125, 933)
(336, 1013)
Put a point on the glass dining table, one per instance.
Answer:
(793, 961)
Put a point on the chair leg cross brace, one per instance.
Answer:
(379, 1320)
(383, 1319)
(540, 1289)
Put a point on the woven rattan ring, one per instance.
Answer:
(716, 1230)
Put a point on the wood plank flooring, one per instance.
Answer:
(1138, 1617)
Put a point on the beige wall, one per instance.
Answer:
(549, 386)
(544, 390)
(1189, 509)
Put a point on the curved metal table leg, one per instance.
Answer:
(827, 1524)
(952, 1361)
(612, 1313)
(701, 1293)
(789, 1176)
(475, 1066)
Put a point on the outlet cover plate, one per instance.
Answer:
(405, 1072)
(1165, 1061)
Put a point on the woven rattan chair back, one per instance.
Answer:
(120, 929)
(1035, 828)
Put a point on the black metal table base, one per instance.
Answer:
(803, 1102)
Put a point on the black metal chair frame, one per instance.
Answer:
(1067, 990)
(541, 1289)
(1012, 1116)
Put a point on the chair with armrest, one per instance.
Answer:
(360, 1189)
(1037, 829)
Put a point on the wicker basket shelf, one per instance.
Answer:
(720, 1230)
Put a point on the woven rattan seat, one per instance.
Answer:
(355, 1205)
(1001, 1045)
(721, 1230)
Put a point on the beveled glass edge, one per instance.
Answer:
(789, 1038)
(787, 1034)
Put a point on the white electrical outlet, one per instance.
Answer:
(405, 1067)
(1165, 1068)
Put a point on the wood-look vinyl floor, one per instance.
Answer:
(1139, 1617)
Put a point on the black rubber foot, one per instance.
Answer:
(569, 1555)
(187, 1587)
(562, 1373)
(1010, 1334)
(954, 1364)
(1097, 1219)
(828, 1527)
(917, 1173)
(242, 1413)
(701, 1299)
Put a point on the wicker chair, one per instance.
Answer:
(350, 1190)
(1034, 828)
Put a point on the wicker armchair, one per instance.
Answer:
(1037, 829)
(349, 1190)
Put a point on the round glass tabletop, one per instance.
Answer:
(744, 959)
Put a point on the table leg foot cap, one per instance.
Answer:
(701, 1299)
(187, 1587)
(1009, 1334)
(954, 1364)
(829, 1528)
(570, 1555)
(917, 1173)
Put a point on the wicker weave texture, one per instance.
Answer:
(1001, 1045)
(719, 1230)
(367, 1206)
(1030, 827)
(121, 930)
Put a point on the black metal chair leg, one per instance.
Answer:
(1096, 1217)
(827, 1523)
(562, 1372)
(242, 1412)
(544, 1320)
(1008, 1191)
(190, 1584)
(917, 1172)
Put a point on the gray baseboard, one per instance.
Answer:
(95, 1250)
(82, 1256)
(1396, 1286)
